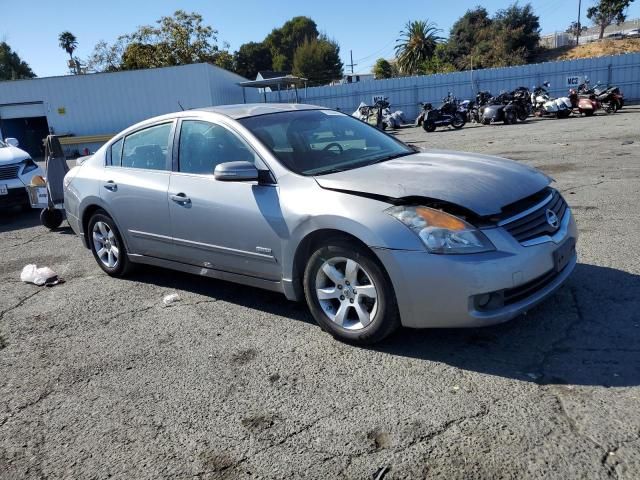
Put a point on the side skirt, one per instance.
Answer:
(208, 272)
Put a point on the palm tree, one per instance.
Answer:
(416, 45)
(68, 42)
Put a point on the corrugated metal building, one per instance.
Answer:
(101, 104)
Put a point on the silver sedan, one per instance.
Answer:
(321, 206)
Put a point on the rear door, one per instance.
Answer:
(135, 186)
(230, 226)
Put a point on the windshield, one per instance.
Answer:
(317, 142)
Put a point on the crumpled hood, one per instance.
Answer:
(480, 183)
(9, 155)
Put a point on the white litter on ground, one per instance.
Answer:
(171, 298)
(40, 276)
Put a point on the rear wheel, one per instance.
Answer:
(349, 294)
(523, 115)
(587, 113)
(429, 126)
(107, 246)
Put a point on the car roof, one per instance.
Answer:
(244, 110)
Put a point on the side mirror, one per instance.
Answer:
(12, 141)
(235, 172)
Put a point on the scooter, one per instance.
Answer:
(446, 115)
(544, 105)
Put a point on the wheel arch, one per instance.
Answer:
(310, 242)
(87, 212)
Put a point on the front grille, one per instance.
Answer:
(534, 224)
(9, 172)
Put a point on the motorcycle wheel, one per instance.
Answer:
(458, 121)
(587, 113)
(523, 115)
(429, 126)
(509, 117)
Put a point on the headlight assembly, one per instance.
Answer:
(441, 232)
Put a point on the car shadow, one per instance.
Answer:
(588, 333)
(16, 219)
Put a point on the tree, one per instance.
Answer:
(573, 28)
(382, 69)
(251, 58)
(438, 62)
(284, 41)
(416, 45)
(468, 35)
(68, 42)
(223, 59)
(12, 67)
(180, 39)
(605, 12)
(519, 28)
(318, 60)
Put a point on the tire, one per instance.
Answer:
(509, 117)
(429, 126)
(105, 227)
(523, 115)
(588, 113)
(376, 318)
(51, 218)
(485, 121)
(460, 121)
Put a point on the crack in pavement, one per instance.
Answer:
(20, 303)
(35, 237)
(578, 187)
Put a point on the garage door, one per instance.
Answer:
(22, 110)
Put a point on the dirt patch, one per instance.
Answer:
(244, 356)
(601, 48)
(557, 168)
(379, 438)
(259, 422)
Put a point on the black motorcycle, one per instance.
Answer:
(508, 107)
(447, 115)
(474, 113)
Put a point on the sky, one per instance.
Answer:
(367, 27)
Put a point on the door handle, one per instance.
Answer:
(111, 185)
(180, 198)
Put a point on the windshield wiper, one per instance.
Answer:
(391, 157)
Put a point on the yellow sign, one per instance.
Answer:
(61, 110)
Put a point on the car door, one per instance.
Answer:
(135, 185)
(231, 226)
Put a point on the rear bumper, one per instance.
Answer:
(441, 291)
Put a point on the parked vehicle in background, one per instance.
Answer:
(320, 206)
(609, 97)
(17, 168)
(585, 99)
(635, 33)
(448, 114)
(508, 107)
(545, 105)
(474, 113)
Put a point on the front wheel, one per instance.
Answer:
(51, 218)
(107, 246)
(349, 294)
(458, 121)
(429, 126)
(509, 117)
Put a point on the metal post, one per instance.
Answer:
(578, 32)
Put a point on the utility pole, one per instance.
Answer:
(351, 64)
(578, 29)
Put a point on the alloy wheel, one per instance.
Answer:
(105, 244)
(346, 293)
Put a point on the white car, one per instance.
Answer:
(16, 171)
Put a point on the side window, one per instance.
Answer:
(204, 145)
(116, 153)
(147, 148)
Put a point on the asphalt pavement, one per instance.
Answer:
(98, 378)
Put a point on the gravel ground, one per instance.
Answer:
(99, 379)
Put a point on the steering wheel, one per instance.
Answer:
(331, 145)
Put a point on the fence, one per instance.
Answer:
(405, 93)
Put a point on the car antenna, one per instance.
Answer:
(180, 105)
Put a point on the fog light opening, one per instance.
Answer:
(489, 301)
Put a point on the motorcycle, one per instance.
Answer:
(584, 99)
(372, 114)
(508, 107)
(474, 113)
(544, 105)
(610, 97)
(446, 115)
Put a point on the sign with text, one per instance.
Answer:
(575, 80)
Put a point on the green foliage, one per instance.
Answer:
(180, 39)
(479, 41)
(68, 42)
(383, 69)
(438, 63)
(605, 12)
(251, 58)
(573, 28)
(416, 45)
(318, 60)
(284, 41)
(11, 65)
